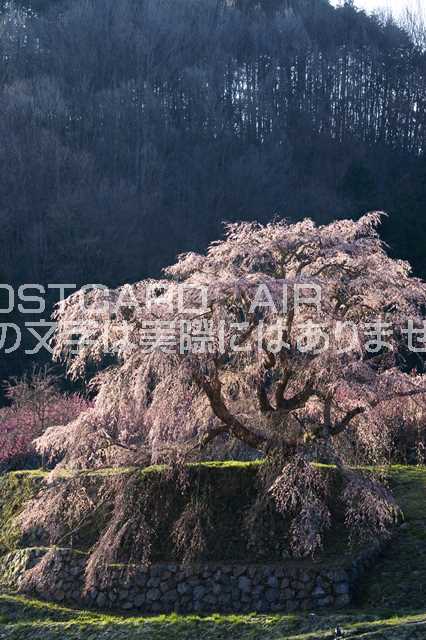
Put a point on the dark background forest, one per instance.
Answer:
(130, 129)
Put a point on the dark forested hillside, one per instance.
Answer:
(130, 129)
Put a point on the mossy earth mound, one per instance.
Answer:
(228, 490)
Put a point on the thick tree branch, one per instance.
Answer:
(340, 426)
(281, 388)
(213, 391)
(298, 400)
(230, 424)
(263, 400)
(269, 362)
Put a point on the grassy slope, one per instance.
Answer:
(391, 601)
(400, 579)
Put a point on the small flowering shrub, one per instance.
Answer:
(35, 404)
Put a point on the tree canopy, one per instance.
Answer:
(281, 335)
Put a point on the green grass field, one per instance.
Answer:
(391, 601)
(22, 618)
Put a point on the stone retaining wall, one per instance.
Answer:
(200, 589)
